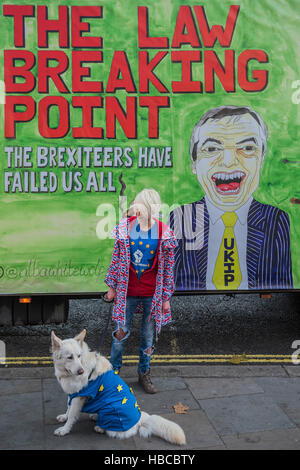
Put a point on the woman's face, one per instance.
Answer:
(145, 211)
(140, 210)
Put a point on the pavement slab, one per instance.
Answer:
(19, 386)
(202, 388)
(277, 439)
(246, 413)
(21, 420)
(293, 371)
(285, 392)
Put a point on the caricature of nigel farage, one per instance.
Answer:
(228, 240)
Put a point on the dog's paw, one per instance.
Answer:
(61, 431)
(99, 430)
(93, 417)
(61, 418)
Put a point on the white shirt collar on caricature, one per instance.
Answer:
(215, 213)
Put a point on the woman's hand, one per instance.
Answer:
(166, 306)
(111, 294)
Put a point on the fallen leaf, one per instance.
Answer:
(180, 408)
(237, 359)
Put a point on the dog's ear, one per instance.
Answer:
(81, 337)
(56, 342)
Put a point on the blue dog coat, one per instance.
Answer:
(111, 398)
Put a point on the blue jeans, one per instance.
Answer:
(147, 334)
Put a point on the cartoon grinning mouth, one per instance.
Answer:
(228, 183)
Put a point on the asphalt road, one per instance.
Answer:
(208, 324)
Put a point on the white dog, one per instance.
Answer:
(94, 387)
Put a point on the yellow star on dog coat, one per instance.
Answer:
(137, 406)
(119, 387)
(124, 401)
(101, 388)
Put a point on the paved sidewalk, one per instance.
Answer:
(229, 407)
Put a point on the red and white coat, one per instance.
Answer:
(117, 275)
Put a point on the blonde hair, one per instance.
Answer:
(147, 202)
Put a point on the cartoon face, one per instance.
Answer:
(229, 159)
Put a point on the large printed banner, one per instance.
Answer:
(198, 100)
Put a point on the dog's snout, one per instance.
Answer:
(80, 371)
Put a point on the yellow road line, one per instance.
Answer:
(26, 362)
(167, 356)
(28, 357)
(169, 359)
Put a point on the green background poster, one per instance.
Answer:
(52, 230)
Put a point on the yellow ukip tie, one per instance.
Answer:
(227, 273)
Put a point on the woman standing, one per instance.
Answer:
(141, 273)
